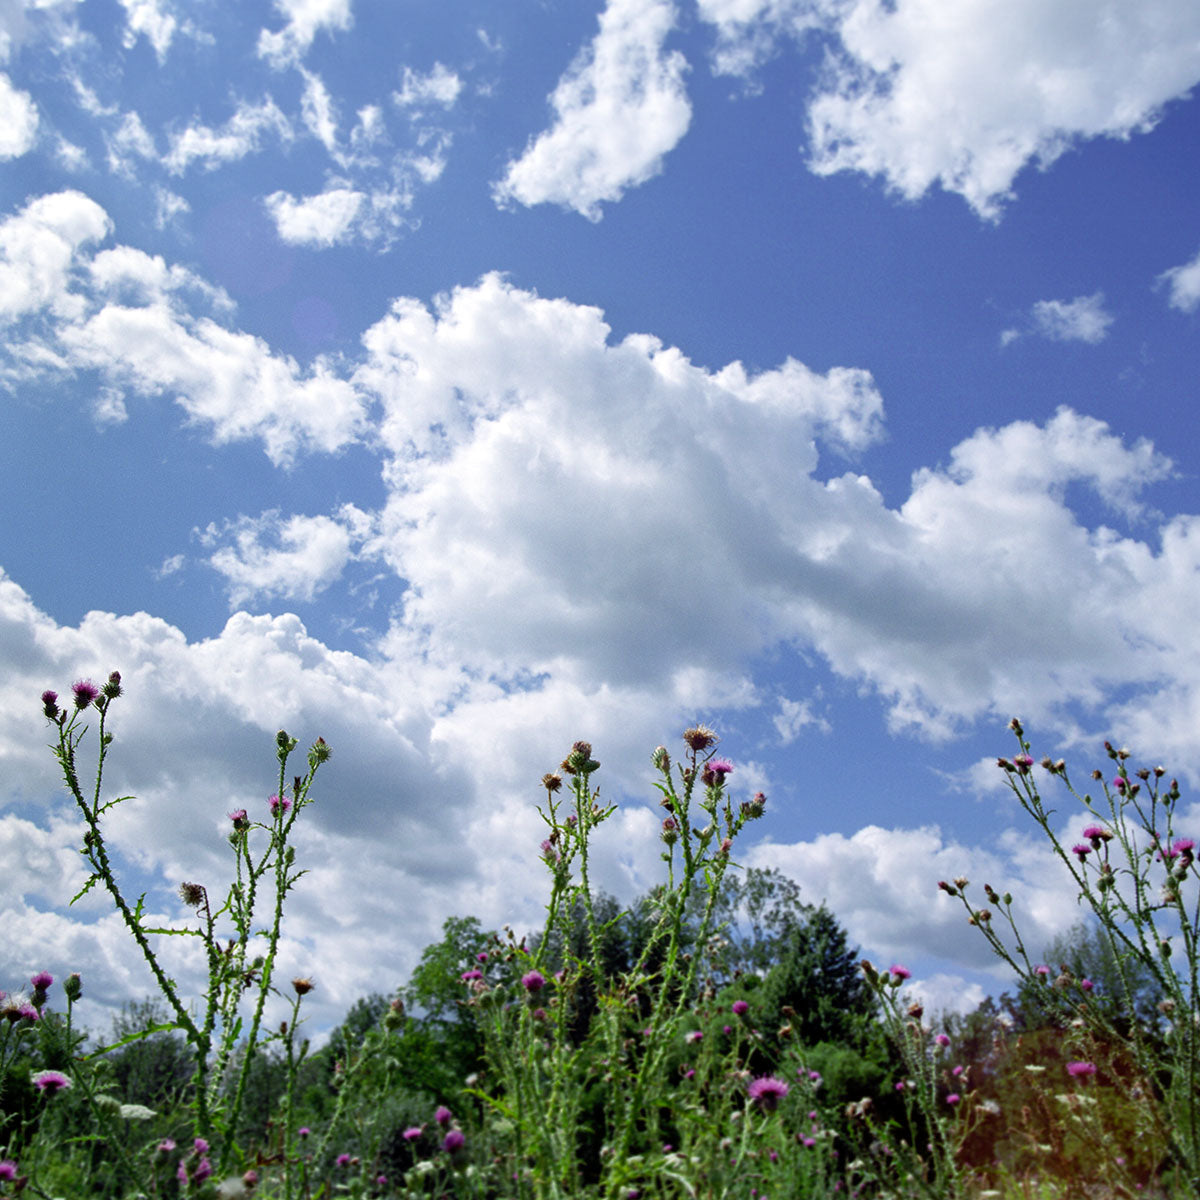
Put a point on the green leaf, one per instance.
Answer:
(142, 1034)
(87, 887)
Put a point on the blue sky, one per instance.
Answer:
(458, 380)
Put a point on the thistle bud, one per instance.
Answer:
(73, 986)
(661, 759)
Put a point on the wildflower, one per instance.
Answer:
(8, 1170)
(1081, 850)
(942, 1040)
(808, 1142)
(1022, 762)
(200, 1146)
(766, 1091)
(166, 1146)
(442, 1115)
(695, 1035)
(533, 981)
(699, 737)
(1097, 834)
(50, 703)
(303, 1131)
(1086, 984)
(50, 1082)
(900, 973)
(42, 981)
(756, 805)
(670, 831)
(73, 986)
(953, 1098)
(240, 818)
(1120, 783)
(381, 1180)
(343, 1160)
(279, 804)
(454, 1141)
(720, 767)
(552, 782)
(85, 693)
(1185, 847)
(481, 956)
(250, 1179)
(302, 985)
(1081, 1068)
(740, 1008)
(192, 894)
(726, 1029)
(1042, 970)
(412, 1133)
(549, 853)
(467, 976)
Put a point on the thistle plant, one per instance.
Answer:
(1140, 880)
(240, 958)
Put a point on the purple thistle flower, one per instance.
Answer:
(454, 1141)
(721, 767)
(727, 1029)
(1081, 850)
(181, 1173)
(279, 803)
(50, 703)
(203, 1170)
(26, 1010)
(50, 1082)
(1081, 1068)
(442, 1115)
(1183, 846)
(1042, 970)
(303, 1131)
(1120, 783)
(1086, 984)
(240, 818)
(166, 1146)
(533, 981)
(482, 956)
(412, 1133)
(766, 1091)
(467, 976)
(1097, 834)
(740, 1008)
(953, 1098)
(343, 1160)
(42, 981)
(200, 1146)
(8, 1170)
(695, 1035)
(899, 972)
(942, 1040)
(85, 693)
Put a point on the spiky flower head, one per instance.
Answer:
(552, 782)
(740, 1008)
(112, 685)
(1081, 1068)
(302, 985)
(766, 1091)
(442, 1115)
(73, 986)
(699, 737)
(50, 703)
(50, 1083)
(279, 804)
(85, 693)
(454, 1141)
(42, 981)
(192, 894)
(533, 981)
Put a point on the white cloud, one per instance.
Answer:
(748, 31)
(305, 19)
(130, 140)
(1083, 319)
(618, 110)
(293, 559)
(965, 95)
(124, 314)
(167, 206)
(795, 715)
(108, 408)
(440, 86)
(318, 112)
(39, 248)
(149, 18)
(322, 220)
(18, 120)
(1183, 284)
(242, 134)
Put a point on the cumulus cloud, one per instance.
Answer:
(322, 220)
(294, 558)
(18, 120)
(1183, 285)
(749, 31)
(965, 95)
(304, 20)
(620, 108)
(1083, 319)
(131, 317)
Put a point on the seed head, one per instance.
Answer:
(699, 737)
(192, 894)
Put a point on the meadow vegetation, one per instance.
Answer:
(720, 1037)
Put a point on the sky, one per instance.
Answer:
(457, 380)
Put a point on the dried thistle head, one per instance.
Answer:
(699, 737)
